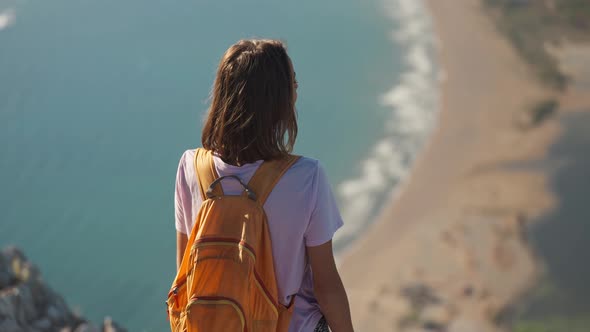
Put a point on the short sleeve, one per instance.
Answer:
(325, 217)
(182, 198)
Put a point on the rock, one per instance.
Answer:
(27, 304)
(85, 327)
(7, 308)
(5, 275)
(53, 313)
(468, 290)
(433, 327)
(110, 326)
(9, 326)
(5, 279)
(436, 316)
(536, 115)
(43, 324)
(12, 252)
(420, 295)
(12, 309)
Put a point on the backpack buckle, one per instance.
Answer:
(210, 191)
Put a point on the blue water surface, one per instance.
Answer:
(98, 100)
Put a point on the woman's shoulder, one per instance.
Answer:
(188, 156)
(186, 163)
(308, 165)
(306, 169)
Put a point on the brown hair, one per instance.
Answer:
(252, 114)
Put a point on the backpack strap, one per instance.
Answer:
(206, 173)
(268, 174)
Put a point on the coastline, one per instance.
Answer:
(450, 249)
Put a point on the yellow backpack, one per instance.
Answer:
(226, 281)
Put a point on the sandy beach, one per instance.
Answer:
(450, 251)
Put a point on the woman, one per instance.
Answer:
(252, 118)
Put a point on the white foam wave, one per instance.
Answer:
(413, 103)
(7, 18)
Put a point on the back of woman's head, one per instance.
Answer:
(252, 114)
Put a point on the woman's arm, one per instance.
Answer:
(329, 289)
(181, 240)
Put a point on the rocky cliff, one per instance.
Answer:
(28, 304)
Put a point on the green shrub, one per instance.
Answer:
(554, 324)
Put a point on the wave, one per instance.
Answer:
(413, 105)
(7, 18)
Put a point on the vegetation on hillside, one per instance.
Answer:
(554, 324)
(530, 24)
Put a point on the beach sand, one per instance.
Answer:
(450, 251)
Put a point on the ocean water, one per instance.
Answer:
(98, 100)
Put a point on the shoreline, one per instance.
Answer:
(454, 231)
(410, 109)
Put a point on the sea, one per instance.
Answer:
(99, 99)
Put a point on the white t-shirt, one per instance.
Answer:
(301, 211)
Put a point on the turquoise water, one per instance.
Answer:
(98, 100)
